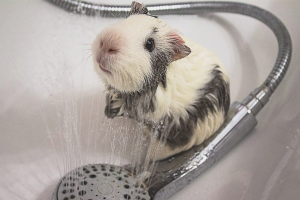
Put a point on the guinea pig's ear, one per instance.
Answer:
(137, 8)
(179, 48)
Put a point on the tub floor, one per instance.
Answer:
(45, 69)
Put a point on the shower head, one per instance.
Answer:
(102, 181)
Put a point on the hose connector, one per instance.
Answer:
(257, 99)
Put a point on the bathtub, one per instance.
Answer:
(52, 102)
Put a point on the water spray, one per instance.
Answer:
(103, 181)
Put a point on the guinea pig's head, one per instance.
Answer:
(134, 54)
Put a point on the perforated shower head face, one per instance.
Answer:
(100, 181)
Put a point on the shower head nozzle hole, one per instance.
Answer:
(92, 176)
(127, 196)
(100, 181)
(82, 193)
(105, 188)
(83, 183)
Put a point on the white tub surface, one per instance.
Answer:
(48, 89)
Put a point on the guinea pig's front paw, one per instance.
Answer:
(114, 103)
(111, 112)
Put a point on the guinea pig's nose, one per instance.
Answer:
(112, 51)
(108, 47)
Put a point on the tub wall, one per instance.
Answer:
(48, 89)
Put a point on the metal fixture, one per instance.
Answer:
(171, 176)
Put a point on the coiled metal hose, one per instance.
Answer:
(279, 29)
(241, 117)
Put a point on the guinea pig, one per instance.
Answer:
(176, 88)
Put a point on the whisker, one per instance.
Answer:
(87, 44)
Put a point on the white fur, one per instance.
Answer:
(131, 64)
(203, 131)
(184, 77)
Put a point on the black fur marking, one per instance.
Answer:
(220, 89)
(159, 62)
(137, 8)
(138, 104)
(109, 111)
(178, 132)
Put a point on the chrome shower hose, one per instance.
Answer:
(168, 179)
(284, 41)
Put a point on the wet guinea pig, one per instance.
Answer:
(176, 88)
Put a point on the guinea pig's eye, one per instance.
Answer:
(150, 44)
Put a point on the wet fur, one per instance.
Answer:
(181, 102)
